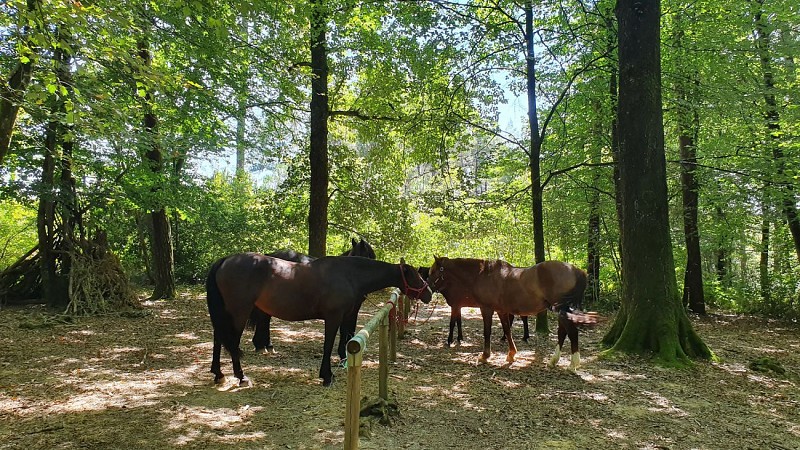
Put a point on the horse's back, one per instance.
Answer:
(552, 279)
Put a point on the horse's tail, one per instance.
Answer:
(571, 302)
(221, 319)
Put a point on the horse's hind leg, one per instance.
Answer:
(219, 377)
(505, 320)
(562, 334)
(526, 334)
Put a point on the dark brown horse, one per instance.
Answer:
(328, 288)
(260, 321)
(495, 285)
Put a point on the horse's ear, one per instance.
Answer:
(353, 241)
(402, 260)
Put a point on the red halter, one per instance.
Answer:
(412, 291)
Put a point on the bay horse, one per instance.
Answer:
(327, 288)
(495, 285)
(261, 321)
(456, 302)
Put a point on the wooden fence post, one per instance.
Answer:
(355, 352)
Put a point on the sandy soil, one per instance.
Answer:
(141, 382)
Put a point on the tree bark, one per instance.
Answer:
(161, 239)
(318, 207)
(651, 319)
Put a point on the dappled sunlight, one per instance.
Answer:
(605, 375)
(188, 336)
(663, 404)
(614, 434)
(190, 424)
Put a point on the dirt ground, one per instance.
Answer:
(141, 381)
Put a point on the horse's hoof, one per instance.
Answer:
(327, 383)
(483, 359)
(553, 362)
(219, 380)
(510, 358)
(245, 382)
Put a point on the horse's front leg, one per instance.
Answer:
(572, 332)
(346, 332)
(261, 337)
(325, 372)
(487, 314)
(455, 319)
(565, 326)
(505, 321)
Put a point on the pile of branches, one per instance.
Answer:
(96, 281)
(21, 282)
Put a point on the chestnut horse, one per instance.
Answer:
(495, 285)
(260, 321)
(455, 303)
(327, 288)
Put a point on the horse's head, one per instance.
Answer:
(414, 285)
(360, 248)
(436, 277)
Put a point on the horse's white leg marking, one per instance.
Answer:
(554, 359)
(576, 361)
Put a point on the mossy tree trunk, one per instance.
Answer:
(652, 319)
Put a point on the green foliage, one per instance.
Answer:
(17, 231)
(418, 163)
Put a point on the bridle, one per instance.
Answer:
(409, 291)
(439, 279)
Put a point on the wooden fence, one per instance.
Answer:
(387, 345)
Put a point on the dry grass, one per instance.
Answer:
(143, 383)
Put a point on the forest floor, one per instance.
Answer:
(141, 381)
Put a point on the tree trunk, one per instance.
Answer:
(318, 207)
(651, 318)
(763, 264)
(45, 220)
(721, 252)
(12, 94)
(693, 296)
(58, 217)
(593, 242)
(534, 153)
(772, 117)
(161, 239)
